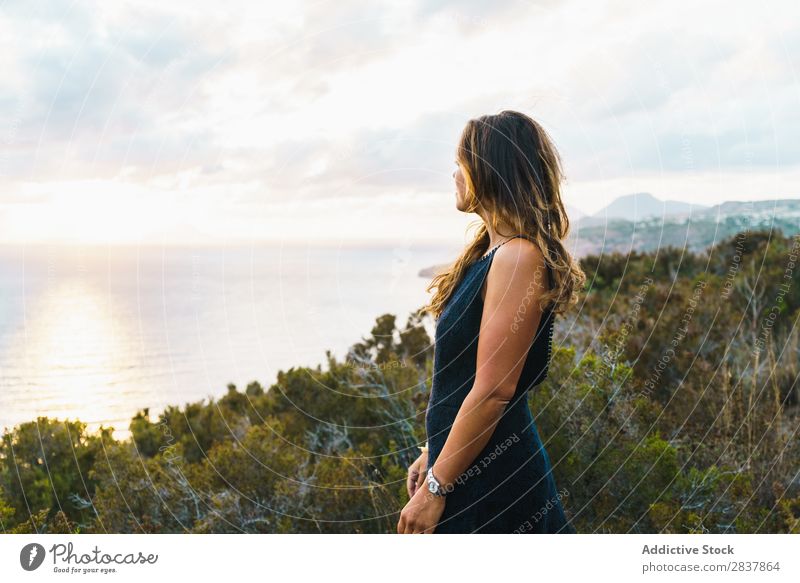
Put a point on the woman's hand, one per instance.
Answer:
(416, 474)
(421, 514)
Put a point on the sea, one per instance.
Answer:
(97, 333)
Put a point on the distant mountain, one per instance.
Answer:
(696, 230)
(638, 206)
(574, 213)
(676, 224)
(760, 211)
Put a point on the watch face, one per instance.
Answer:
(432, 487)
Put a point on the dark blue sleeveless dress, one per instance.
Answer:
(509, 487)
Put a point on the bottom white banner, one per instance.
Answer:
(400, 558)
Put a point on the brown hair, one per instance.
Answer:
(513, 172)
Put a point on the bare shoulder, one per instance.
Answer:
(517, 264)
(518, 257)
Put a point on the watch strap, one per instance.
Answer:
(434, 487)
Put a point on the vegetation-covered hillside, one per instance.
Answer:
(672, 405)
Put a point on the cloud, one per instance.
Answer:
(234, 107)
(83, 81)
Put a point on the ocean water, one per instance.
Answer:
(96, 333)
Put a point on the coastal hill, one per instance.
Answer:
(639, 206)
(658, 419)
(644, 223)
(681, 225)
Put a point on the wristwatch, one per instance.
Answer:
(434, 487)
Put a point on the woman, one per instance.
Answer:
(484, 468)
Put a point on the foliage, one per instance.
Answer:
(671, 405)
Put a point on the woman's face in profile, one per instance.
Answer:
(461, 188)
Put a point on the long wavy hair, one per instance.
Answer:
(513, 173)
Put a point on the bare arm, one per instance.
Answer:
(511, 315)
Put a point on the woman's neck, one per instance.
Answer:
(495, 236)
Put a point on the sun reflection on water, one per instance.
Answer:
(75, 352)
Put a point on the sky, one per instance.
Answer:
(223, 122)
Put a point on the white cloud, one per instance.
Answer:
(209, 118)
